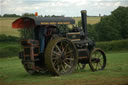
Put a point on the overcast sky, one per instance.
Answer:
(60, 7)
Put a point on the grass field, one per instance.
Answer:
(6, 27)
(5, 24)
(90, 20)
(116, 73)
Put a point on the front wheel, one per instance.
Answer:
(97, 59)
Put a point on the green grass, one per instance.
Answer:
(116, 73)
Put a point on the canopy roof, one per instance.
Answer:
(26, 22)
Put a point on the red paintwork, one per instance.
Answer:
(23, 23)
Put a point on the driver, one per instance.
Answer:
(40, 32)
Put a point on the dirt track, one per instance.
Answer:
(111, 81)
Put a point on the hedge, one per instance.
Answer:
(9, 49)
(115, 45)
(8, 38)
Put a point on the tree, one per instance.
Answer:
(121, 17)
(114, 26)
(11, 15)
(28, 14)
(91, 31)
(107, 29)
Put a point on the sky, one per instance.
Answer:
(60, 7)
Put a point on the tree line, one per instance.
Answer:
(27, 14)
(15, 15)
(111, 27)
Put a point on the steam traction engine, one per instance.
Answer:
(56, 51)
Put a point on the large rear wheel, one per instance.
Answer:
(61, 56)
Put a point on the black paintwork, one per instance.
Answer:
(39, 20)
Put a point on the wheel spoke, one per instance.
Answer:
(58, 49)
(64, 70)
(95, 54)
(70, 59)
(55, 58)
(62, 47)
(99, 55)
(99, 66)
(56, 62)
(66, 47)
(68, 53)
(55, 53)
(67, 65)
(58, 68)
(94, 65)
(101, 58)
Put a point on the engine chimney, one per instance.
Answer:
(84, 22)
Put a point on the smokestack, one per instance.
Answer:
(84, 22)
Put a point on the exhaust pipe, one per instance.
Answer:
(84, 22)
